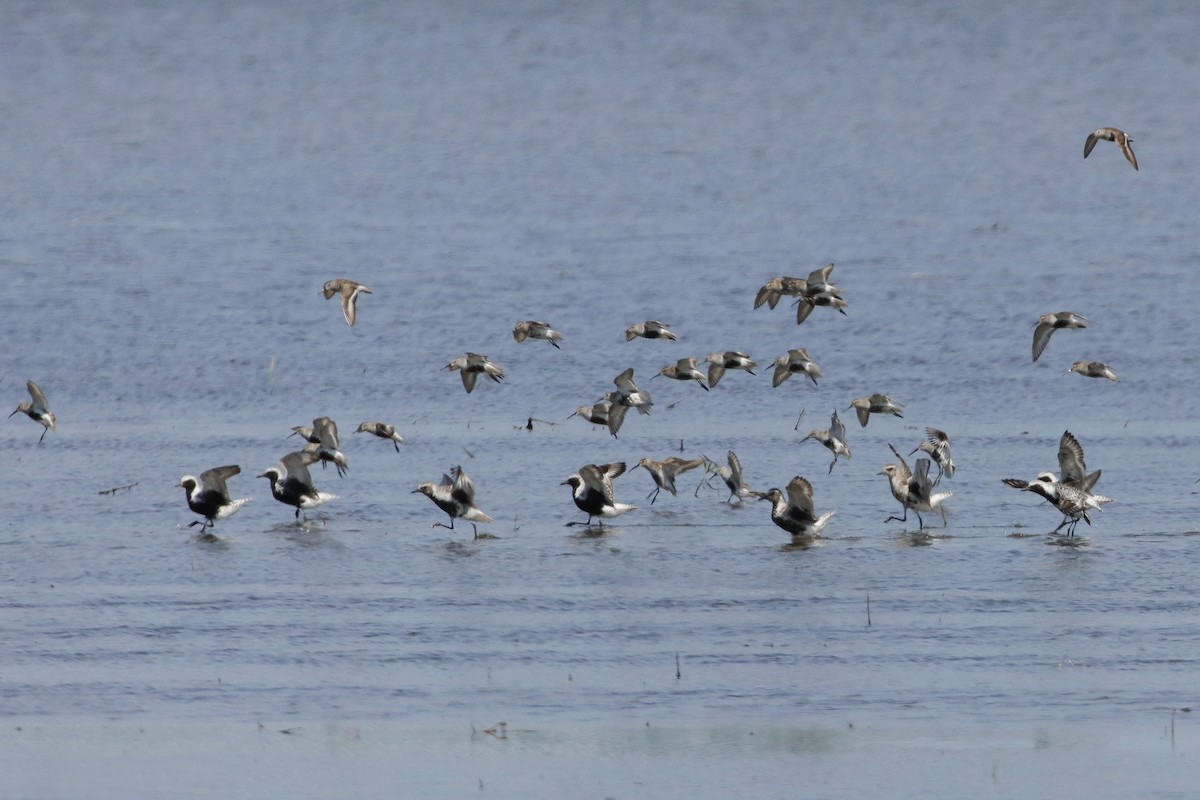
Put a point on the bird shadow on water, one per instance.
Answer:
(209, 540)
(1058, 540)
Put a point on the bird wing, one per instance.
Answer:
(1015, 483)
(350, 307)
(213, 480)
(735, 469)
(836, 429)
(800, 496)
(1089, 144)
(325, 429)
(624, 382)
(904, 473)
(39, 399)
(937, 437)
(1041, 337)
(462, 489)
(1127, 149)
(864, 414)
(769, 293)
(332, 287)
(803, 308)
(295, 466)
(820, 276)
(1070, 459)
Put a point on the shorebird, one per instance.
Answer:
(664, 472)
(208, 496)
(37, 409)
(937, 445)
(597, 414)
(806, 303)
(875, 404)
(326, 447)
(834, 439)
(649, 330)
(472, 365)
(531, 329)
(1123, 140)
(730, 359)
(732, 475)
(684, 370)
(627, 396)
(795, 362)
(592, 490)
(305, 433)
(1072, 495)
(1049, 323)
(776, 288)
(349, 291)
(383, 431)
(456, 496)
(1093, 369)
(291, 482)
(794, 513)
(914, 489)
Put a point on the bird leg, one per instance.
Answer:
(653, 495)
(899, 519)
(43, 436)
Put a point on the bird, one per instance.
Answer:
(732, 475)
(914, 489)
(597, 414)
(684, 370)
(291, 482)
(592, 491)
(1093, 369)
(349, 291)
(326, 447)
(772, 290)
(1123, 140)
(795, 362)
(937, 445)
(37, 409)
(806, 303)
(730, 359)
(649, 329)
(664, 472)
(456, 496)
(794, 512)
(531, 329)
(472, 365)
(208, 495)
(383, 431)
(1049, 323)
(1072, 492)
(875, 404)
(627, 396)
(834, 439)
(305, 433)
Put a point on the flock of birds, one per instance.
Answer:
(1070, 491)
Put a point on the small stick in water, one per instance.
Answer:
(116, 489)
(868, 610)
(679, 674)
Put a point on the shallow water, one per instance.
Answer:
(180, 183)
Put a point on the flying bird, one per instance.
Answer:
(1049, 323)
(349, 291)
(1123, 140)
(37, 409)
(473, 365)
(531, 329)
(383, 431)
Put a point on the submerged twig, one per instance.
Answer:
(116, 489)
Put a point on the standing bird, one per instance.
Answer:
(456, 496)
(1123, 140)
(1093, 369)
(327, 446)
(292, 484)
(937, 445)
(664, 472)
(592, 491)
(914, 489)
(531, 329)
(684, 370)
(37, 409)
(208, 496)
(1049, 323)
(732, 475)
(472, 366)
(649, 329)
(834, 439)
(875, 404)
(794, 513)
(383, 431)
(1072, 493)
(349, 291)
(730, 359)
(795, 362)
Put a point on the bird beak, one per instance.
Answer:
(915, 449)
(15, 411)
(573, 413)
(882, 472)
(565, 483)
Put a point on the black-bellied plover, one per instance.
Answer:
(685, 370)
(650, 329)
(875, 404)
(472, 365)
(292, 484)
(795, 362)
(456, 496)
(592, 491)
(772, 290)
(914, 489)
(327, 446)
(732, 475)
(37, 409)
(794, 512)
(730, 359)
(208, 496)
(531, 329)
(1093, 369)
(937, 445)
(383, 431)
(1123, 140)
(1071, 492)
(834, 439)
(664, 472)
(1049, 323)
(349, 291)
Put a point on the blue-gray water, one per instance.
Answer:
(178, 183)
